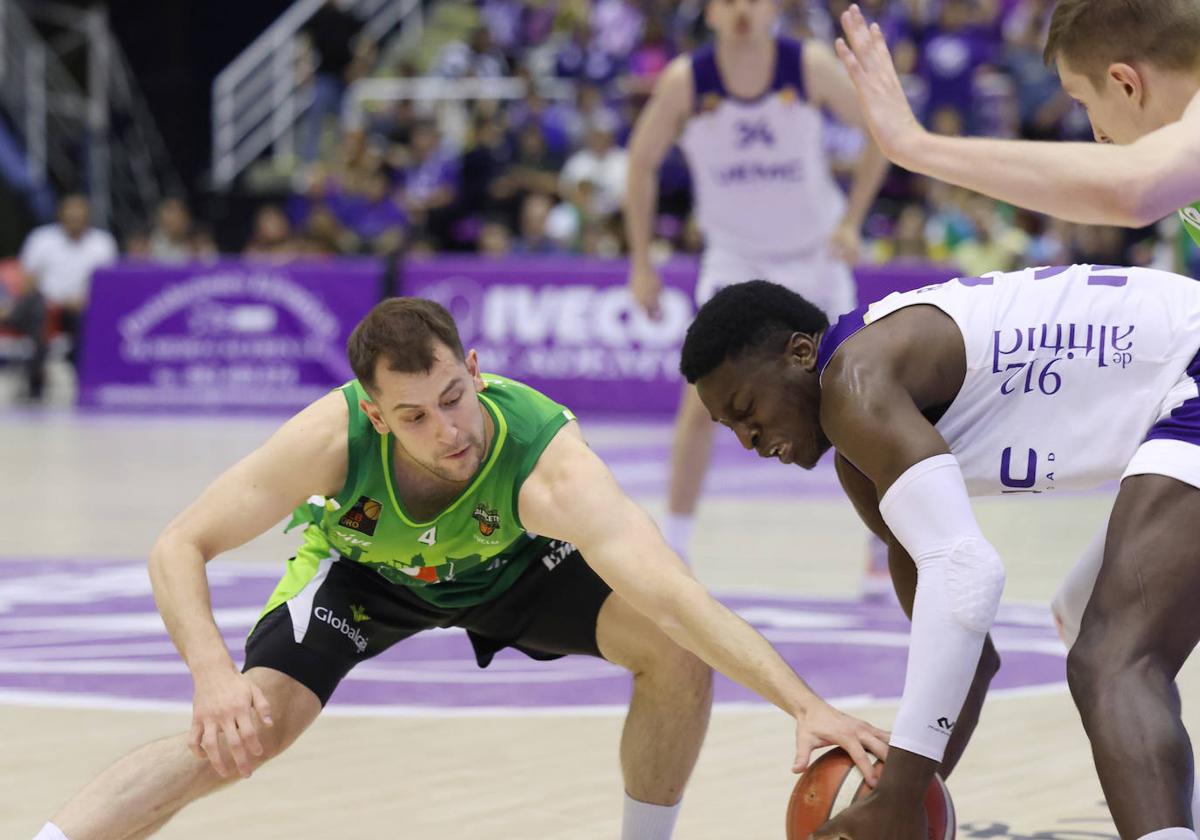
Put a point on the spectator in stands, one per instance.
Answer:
(477, 57)
(137, 245)
(430, 183)
(342, 55)
(59, 260)
(589, 107)
(649, 57)
(951, 53)
(603, 163)
(171, 240)
(534, 170)
(377, 218)
(485, 161)
(535, 239)
(271, 235)
(495, 239)
(204, 244)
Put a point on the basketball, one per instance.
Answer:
(833, 782)
(371, 508)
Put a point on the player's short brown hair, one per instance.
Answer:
(405, 332)
(1093, 34)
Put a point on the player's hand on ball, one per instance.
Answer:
(225, 705)
(646, 286)
(877, 817)
(864, 52)
(824, 726)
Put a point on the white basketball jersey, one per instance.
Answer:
(1067, 371)
(761, 180)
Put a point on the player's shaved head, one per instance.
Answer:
(742, 318)
(405, 333)
(1091, 35)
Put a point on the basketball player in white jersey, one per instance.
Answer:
(1037, 381)
(747, 112)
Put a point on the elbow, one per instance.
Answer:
(1137, 200)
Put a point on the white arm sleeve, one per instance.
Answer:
(959, 582)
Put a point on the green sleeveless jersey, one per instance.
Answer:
(470, 552)
(1191, 220)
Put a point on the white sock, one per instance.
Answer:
(644, 821)
(677, 531)
(50, 832)
(1196, 803)
(1170, 834)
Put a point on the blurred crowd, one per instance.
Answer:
(544, 172)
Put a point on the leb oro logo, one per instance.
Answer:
(363, 517)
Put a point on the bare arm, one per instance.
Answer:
(653, 135)
(305, 457)
(830, 87)
(572, 496)
(1089, 183)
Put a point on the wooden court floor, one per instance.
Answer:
(89, 489)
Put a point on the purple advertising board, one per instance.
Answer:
(226, 335)
(569, 327)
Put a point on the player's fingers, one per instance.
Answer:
(855, 27)
(193, 739)
(861, 760)
(248, 733)
(259, 701)
(212, 749)
(848, 60)
(881, 734)
(803, 753)
(875, 745)
(236, 748)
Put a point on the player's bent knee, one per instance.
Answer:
(975, 582)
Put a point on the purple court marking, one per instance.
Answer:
(87, 634)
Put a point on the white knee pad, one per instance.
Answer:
(960, 579)
(974, 582)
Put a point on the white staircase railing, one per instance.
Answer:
(260, 98)
(89, 130)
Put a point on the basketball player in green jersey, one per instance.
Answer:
(421, 485)
(1135, 66)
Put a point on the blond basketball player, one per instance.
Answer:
(1135, 66)
(432, 481)
(747, 112)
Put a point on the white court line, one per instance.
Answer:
(46, 699)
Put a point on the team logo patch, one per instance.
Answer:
(359, 614)
(489, 520)
(363, 517)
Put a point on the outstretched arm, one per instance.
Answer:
(572, 496)
(1088, 183)
(865, 499)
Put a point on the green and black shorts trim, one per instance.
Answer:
(347, 613)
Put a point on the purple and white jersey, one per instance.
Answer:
(1069, 370)
(762, 181)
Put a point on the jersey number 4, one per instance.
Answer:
(429, 537)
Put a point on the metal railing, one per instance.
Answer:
(260, 98)
(435, 88)
(94, 132)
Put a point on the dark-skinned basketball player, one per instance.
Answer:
(1033, 381)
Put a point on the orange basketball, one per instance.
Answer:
(371, 509)
(833, 782)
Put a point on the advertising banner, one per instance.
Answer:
(226, 335)
(569, 327)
